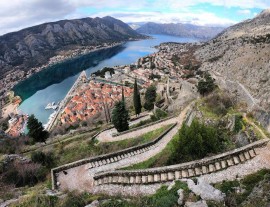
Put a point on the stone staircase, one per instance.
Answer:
(184, 170)
(106, 159)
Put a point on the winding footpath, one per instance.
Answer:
(107, 136)
(81, 177)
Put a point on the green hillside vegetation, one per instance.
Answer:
(191, 143)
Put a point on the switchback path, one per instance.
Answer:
(106, 136)
(81, 177)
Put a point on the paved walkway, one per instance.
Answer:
(81, 178)
(106, 136)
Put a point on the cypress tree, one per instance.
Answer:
(123, 96)
(120, 117)
(150, 97)
(137, 99)
(36, 130)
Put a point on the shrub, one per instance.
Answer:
(159, 114)
(219, 103)
(238, 123)
(22, 174)
(43, 159)
(150, 97)
(206, 85)
(195, 142)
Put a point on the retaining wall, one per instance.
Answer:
(184, 170)
(108, 158)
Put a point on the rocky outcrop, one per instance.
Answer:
(240, 55)
(32, 47)
(182, 30)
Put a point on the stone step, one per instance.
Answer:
(217, 166)
(89, 166)
(157, 177)
(171, 176)
(184, 173)
(178, 174)
(110, 179)
(115, 179)
(138, 179)
(223, 164)
(191, 173)
(211, 168)
(247, 156)
(132, 180)
(100, 162)
(230, 162)
(204, 170)
(144, 179)
(150, 178)
(251, 153)
(96, 164)
(242, 157)
(198, 171)
(126, 180)
(120, 179)
(164, 177)
(105, 180)
(236, 160)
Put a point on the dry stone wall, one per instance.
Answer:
(184, 170)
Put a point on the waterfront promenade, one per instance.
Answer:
(63, 103)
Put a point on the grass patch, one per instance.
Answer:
(159, 159)
(141, 123)
(74, 151)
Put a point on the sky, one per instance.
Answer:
(18, 14)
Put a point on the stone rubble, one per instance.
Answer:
(205, 190)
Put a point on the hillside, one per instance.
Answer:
(32, 47)
(182, 30)
(241, 54)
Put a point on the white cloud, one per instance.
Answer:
(244, 12)
(18, 14)
(203, 18)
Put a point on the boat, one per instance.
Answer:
(52, 106)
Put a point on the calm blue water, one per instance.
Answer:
(53, 83)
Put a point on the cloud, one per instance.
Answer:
(202, 18)
(18, 14)
(244, 12)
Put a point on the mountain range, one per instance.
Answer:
(32, 47)
(179, 29)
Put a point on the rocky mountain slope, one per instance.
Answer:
(183, 30)
(34, 46)
(241, 54)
